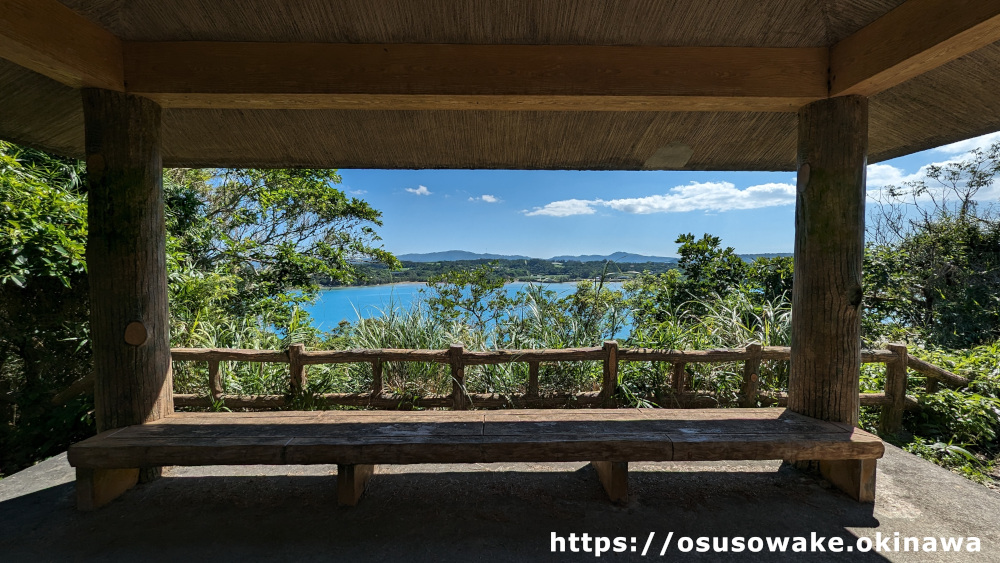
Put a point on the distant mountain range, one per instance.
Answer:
(453, 255)
(625, 257)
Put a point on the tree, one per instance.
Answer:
(43, 303)
(477, 297)
(271, 233)
(245, 247)
(932, 264)
(704, 270)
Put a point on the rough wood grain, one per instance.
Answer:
(50, 39)
(678, 378)
(681, 356)
(614, 478)
(215, 381)
(384, 355)
(296, 369)
(609, 380)
(856, 477)
(829, 240)
(891, 415)
(377, 384)
(97, 487)
(193, 74)
(916, 37)
(532, 380)
(458, 396)
(126, 258)
(228, 355)
(530, 355)
(751, 375)
(370, 437)
(934, 372)
(351, 483)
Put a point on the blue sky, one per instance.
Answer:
(548, 213)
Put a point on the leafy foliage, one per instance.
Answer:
(43, 304)
(932, 265)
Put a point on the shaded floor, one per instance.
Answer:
(491, 512)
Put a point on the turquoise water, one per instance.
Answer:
(348, 303)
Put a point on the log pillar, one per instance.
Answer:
(829, 246)
(126, 260)
(826, 296)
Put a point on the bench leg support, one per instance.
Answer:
(97, 487)
(614, 477)
(351, 482)
(856, 477)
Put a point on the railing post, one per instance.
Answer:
(296, 369)
(891, 417)
(214, 380)
(457, 377)
(751, 375)
(377, 384)
(533, 379)
(609, 385)
(679, 378)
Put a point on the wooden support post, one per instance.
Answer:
(97, 487)
(856, 477)
(614, 477)
(609, 385)
(829, 244)
(457, 377)
(931, 385)
(679, 378)
(215, 380)
(351, 482)
(891, 417)
(751, 375)
(126, 261)
(533, 379)
(377, 383)
(296, 369)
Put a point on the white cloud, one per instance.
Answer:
(357, 192)
(420, 190)
(962, 147)
(564, 208)
(486, 198)
(696, 196)
(881, 175)
(707, 196)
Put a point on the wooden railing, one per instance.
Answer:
(893, 399)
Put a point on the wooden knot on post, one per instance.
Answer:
(458, 401)
(609, 385)
(891, 417)
(751, 375)
(297, 370)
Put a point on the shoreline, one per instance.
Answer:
(337, 287)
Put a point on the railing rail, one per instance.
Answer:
(893, 400)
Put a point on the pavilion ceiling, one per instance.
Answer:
(640, 84)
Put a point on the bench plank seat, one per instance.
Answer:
(369, 438)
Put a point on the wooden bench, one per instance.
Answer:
(357, 441)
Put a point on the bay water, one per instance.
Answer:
(349, 303)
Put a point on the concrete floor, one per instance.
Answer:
(495, 512)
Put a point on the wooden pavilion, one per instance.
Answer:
(821, 87)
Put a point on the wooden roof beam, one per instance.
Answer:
(51, 39)
(474, 77)
(914, 38)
